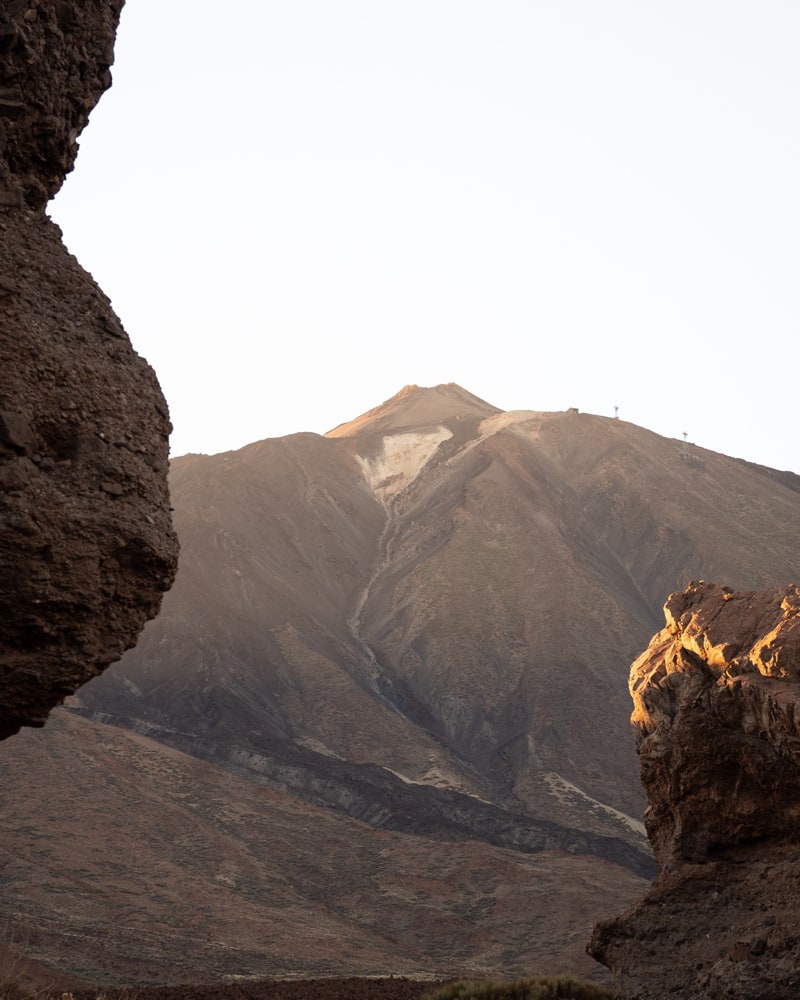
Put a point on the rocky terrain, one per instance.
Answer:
(717, 720)
(125, 861)
(384, 711)
(392, 988)
(86, 547)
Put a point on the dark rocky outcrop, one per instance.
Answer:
(55, 63)
(717, 720)
(86, 542)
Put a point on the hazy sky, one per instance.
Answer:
(299, 207)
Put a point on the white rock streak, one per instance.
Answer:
(402, 458)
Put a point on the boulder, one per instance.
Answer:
(717, 722)
(86, 540)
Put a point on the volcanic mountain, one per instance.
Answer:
(419, 626)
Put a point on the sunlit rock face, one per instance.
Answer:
(717, 721)
(86, 542)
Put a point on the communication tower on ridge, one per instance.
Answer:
(616, 413)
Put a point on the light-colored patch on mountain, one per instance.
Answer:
(401, 459)
(531, 418)
(318, 747)
(567, 793)
(438, 778)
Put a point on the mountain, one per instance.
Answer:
(420, 624)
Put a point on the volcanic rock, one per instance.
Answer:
(86, 542)
(717, 720)
(55, 64)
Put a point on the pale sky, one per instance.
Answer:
(299, 207)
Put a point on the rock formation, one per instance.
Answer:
(717, 720)
(86, 542)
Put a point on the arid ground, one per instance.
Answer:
(394, 988)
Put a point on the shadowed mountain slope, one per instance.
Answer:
(423, 620)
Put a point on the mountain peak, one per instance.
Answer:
(415, 407)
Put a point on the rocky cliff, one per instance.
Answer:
(86, 543)
(717, 720)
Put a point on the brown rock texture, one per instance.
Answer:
(717, 720)
(86, 542)
(55, 63)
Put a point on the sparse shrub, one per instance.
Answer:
(537, 988)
